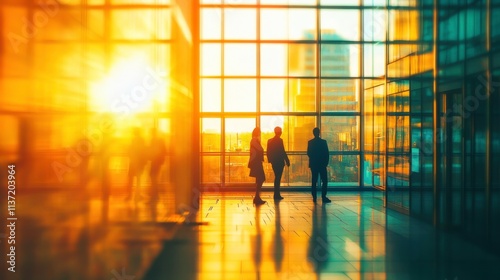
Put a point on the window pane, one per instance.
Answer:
(303, 29)
(274, 24)
(140, 24)
(210, 24)
(340, 25)
(302, 60)
(374, 60)
(210, 169)
(210, 135)
(210, 59)
(368, 121)
(240, 95)
(66, 27)
(240, 24)
(379, 170)
(300, 131)
(210, 95)
(343, 169)
(267, 125)
(374, 25)
(272, 95)
(339, 95)
(398, 134)
(273, 60)
(236, 170)
(240, 59)
(339, 60)
(299, 172)
(238, 133)
(341, 133)
(302, 95)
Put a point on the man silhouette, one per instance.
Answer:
(277, 156)
(317, 151)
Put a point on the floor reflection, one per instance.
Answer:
(319, 248)
(256, 245)
(74, 235)
(277, 245)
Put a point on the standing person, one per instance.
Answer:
(317, 151)
(255, 165)
(277, 156)
(157, 152)
(137, 161)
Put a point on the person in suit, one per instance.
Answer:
(277, 156)
(317, 151)
(255, 165)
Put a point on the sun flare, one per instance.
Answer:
(131, 87)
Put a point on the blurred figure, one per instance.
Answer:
(137, 161)
(255, 165)
(157, 152)
(277, 156)
(317, 151)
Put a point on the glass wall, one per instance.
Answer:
(293, 64)
(442, 95)
(80, 80)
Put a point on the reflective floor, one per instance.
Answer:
(73, 236)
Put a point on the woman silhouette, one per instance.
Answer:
(255, 165)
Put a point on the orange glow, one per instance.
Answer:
(130, 87)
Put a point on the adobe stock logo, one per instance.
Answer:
(29, 27)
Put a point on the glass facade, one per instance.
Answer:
(404, 92)
(262, 66)
(442, 79)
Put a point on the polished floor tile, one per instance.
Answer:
(352, 238)
(68, 235)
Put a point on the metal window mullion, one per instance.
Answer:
(488, 120)
(222, 159)
(360, 82)
(386, 158)
(436, 118)
(257, 44)
(318, 66)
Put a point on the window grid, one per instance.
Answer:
(306, 100)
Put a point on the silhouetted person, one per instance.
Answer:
(137, 161)
(157, 152)
(255, 165)
(277, 156)
(317, 151)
